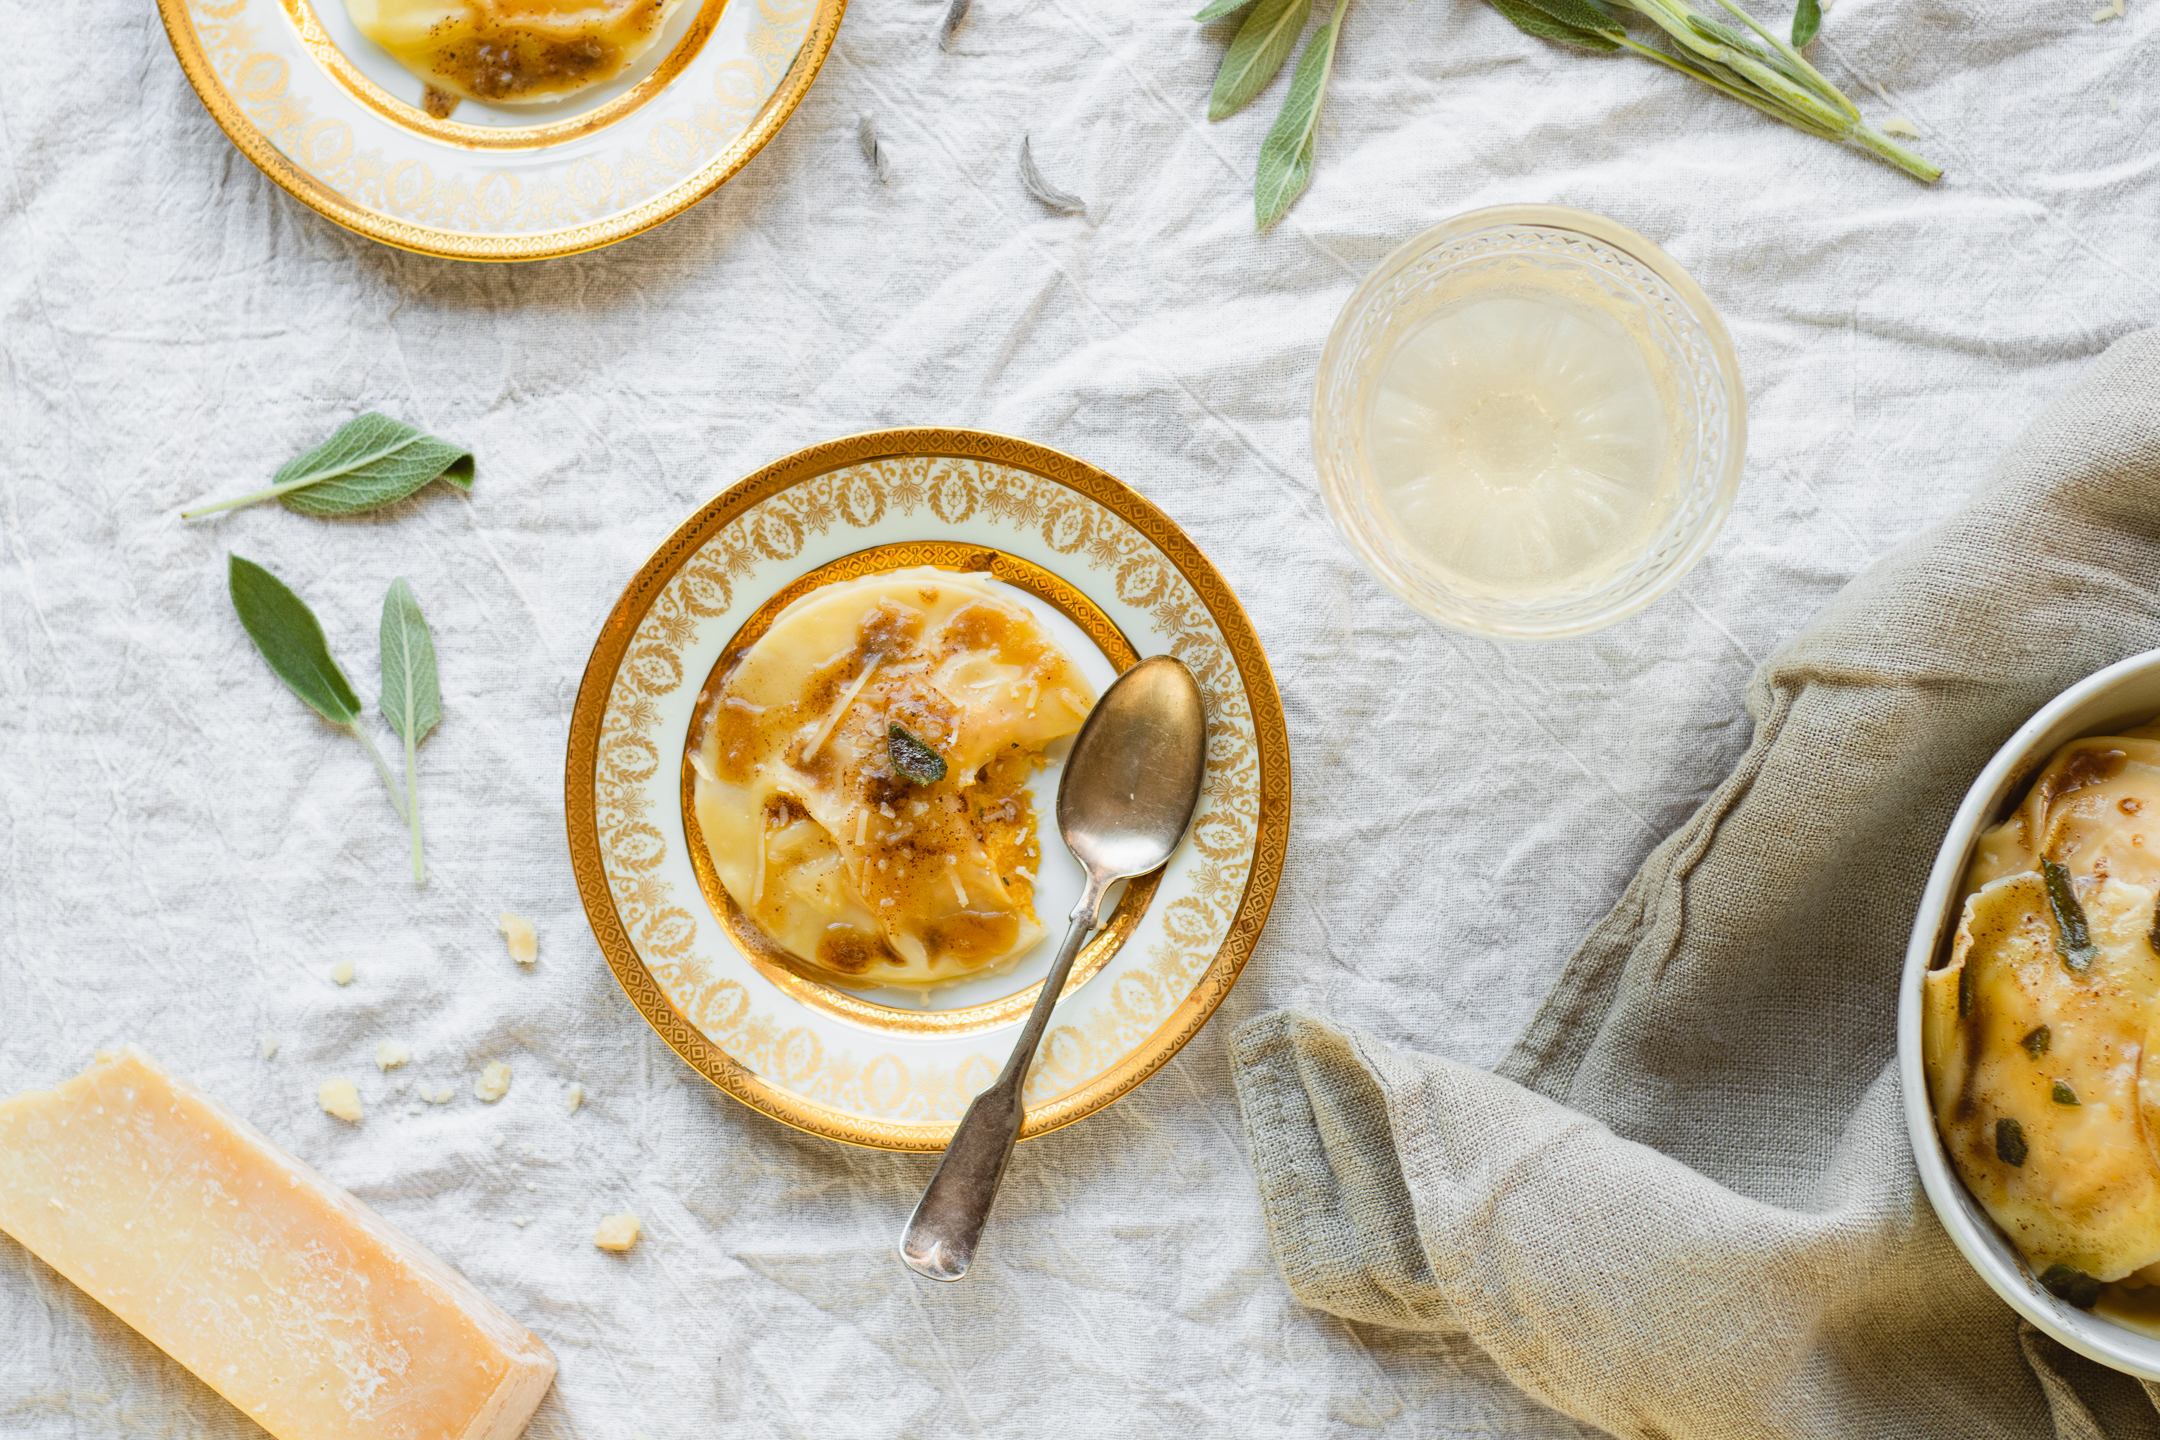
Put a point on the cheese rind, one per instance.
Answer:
(284, 1294)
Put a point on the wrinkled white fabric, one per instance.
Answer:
(184, 850)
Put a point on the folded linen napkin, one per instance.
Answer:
(1686, 1206)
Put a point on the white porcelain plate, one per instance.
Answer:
(1114, 580)
(339, 124)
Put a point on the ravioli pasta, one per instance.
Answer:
(510, 52)
(2037, 1030)
(834, 853)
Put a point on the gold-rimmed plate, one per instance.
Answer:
(345, 129)
(1114, 579)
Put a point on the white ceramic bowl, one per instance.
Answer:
(2122, 695)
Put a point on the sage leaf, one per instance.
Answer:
(2036, 1041)
(1805, 22)
(1286, 155)
(2073, 936)
(292, 642)
(2072, 1284)
(873, 153)
(1041, 191)
(1261, 45)
(1582, 15)
(912, 756)
(950, 26)
(1217, 9)
(2062, 1094)
(411, 696)
(1536, 20)
(2010, 1145)
(372, 461)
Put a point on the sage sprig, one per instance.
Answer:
(372, 461)
(291, 640)
(411, 696)
(1752, 66)
(1748, 64)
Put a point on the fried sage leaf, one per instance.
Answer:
(2036, 1040)
(2010, 1142)
(2062, 1094)
(291, 639)
(2072, 1284)
(371, 462)
(2073, 937)
(912, 755)
(411, 696)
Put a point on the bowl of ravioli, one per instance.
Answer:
(2031, 986)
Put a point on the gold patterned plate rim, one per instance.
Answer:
(611, 650)
(501, 247)
(964, 557)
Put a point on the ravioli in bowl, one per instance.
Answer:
(2035, 1032)
(511, 52)
(861, 776)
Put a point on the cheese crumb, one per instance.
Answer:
(342, 972)
(1899, 125)
(617, 1232)
(389, 1055)
(523, 940)
(573, 1097)
(494, 1082)
(269, 1047)
(2111, 11)
(341, 1099)
(2113, 105)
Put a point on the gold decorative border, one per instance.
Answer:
(612, 646)
(490, 137)
(250, 140)
(784, 970)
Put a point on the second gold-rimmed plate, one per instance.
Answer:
(1116, 580)
(342, 126)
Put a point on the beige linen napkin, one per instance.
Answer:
(1686, 1207)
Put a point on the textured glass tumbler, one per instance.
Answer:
(1652, 298)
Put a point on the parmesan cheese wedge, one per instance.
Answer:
(287, 1296)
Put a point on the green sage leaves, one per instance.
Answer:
(291, 640)
(372, 461)
(1263, 42)
(1286, 155)
(411, 698)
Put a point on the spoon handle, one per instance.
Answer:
(941, 1235)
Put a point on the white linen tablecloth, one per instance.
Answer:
(187, 850)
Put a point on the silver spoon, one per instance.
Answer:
(1127, 795)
